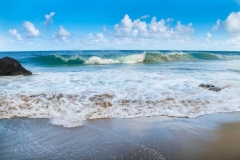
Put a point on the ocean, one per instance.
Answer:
(70, 87)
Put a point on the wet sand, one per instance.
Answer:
(208, 137)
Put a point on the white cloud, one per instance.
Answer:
(232, 23)
(140, 33)
(154, 29)
(14, 33)
(145, 16)
(48, 18)
(96, 38)
(208, 36)
(184, 30)
(32, 31)
(217, 25)
(159, 28)
(234, 41)
(65, 39)
(62, 33)
(125, 27)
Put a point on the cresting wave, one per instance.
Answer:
(146, 57)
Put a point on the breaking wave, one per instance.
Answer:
(146, 57)
(55, 59)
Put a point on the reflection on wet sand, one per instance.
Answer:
(207, 137)
(227, 143)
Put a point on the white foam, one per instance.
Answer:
(98, 60)
(134, 58)
(67, 59)
(177, 53)
(70, 98)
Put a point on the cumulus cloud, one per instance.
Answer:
(125, 28)
(14, 33)
(232, 23)
(48, 18)
(154, 29)
(32, 31)
(184, 29)
(65, 39)
(145, 16)
(62, 33)
(217, 25)
(96, 38)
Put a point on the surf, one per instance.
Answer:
(124, 58)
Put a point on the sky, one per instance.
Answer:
(119, 25)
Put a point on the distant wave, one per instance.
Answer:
(146, 57)
(179, 56)
(55, 59)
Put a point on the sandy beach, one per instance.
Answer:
(207, 137)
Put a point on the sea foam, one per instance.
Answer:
(71, 98)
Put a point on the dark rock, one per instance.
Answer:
(215, 89)
(206, 86)
(210, 87)
(11, 67)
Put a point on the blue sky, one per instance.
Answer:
(125, 24)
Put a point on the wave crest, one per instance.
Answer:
(146, 57)
(55, 59)
(98, 60)
(179, 56)
(134, 58)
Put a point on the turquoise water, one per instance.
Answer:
(71, 58)
(71, 86)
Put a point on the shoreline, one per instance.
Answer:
(207, 137)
